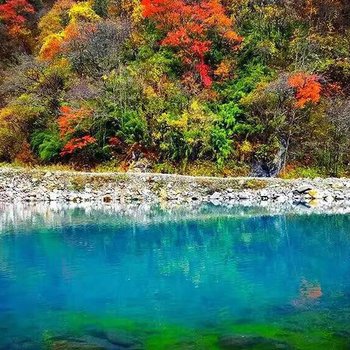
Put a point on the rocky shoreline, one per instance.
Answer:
(26, 185)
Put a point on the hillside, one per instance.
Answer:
(200, 87)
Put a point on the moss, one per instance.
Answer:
(165, 168)
(303, 330)
(111, 166)
(217, 185)
(168, 336)
(204, 168)
(121, 177)
(54, 167)
(234, 169)
(307, 330)
(179, 338)
(78, 183)
(302, 172)
(174, 343)
(255, 184)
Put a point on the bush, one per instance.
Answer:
(187, 136)
(295, 172)
(47, 144)
(98, 49)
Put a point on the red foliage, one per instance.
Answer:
(25, 155)
(333, 89)
(13, 14)
(203, 70)
(55, 44)
(307, 88)
(70, 122)
(187, 26)
(70, 118)
(76, 144)
(114, 141)
(52, 49)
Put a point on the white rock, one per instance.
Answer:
(216, 195)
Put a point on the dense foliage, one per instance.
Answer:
(238, 86)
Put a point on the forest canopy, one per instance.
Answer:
(230, 87)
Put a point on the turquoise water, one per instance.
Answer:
(208, 281)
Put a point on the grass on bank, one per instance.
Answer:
(197, 168)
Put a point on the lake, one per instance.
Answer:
(213, 278)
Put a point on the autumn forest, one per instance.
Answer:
(200, 87)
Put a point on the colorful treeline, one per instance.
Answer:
(231, 86)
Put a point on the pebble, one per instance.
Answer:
(22, 185)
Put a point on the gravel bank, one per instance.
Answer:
(23, 185)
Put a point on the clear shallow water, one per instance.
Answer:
(215, 281)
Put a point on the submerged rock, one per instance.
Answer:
(75, 345)
(122, 339)
(98, 341)
(233, 342)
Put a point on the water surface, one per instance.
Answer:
(175, 281)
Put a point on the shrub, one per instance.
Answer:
(47, 144)
(295, 172)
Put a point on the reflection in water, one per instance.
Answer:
(217, 267)
(309, 293)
